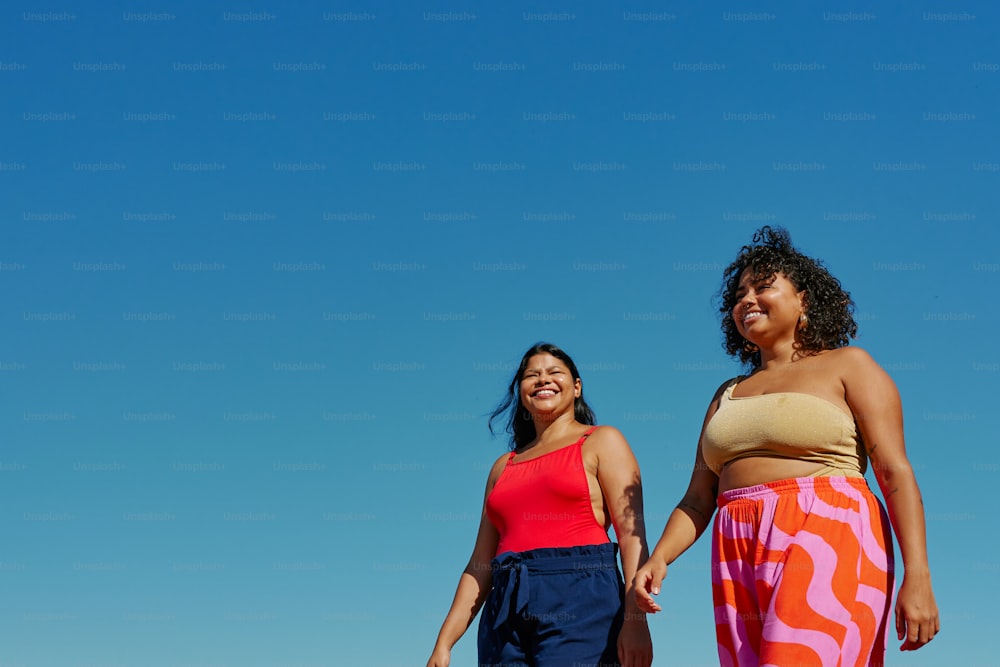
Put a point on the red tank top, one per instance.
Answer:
(545, 502)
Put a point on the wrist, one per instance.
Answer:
(916, 570)
(630, 605)
(656, 558)
(634, 616)
(922, 575)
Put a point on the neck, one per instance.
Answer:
(550, 427)
(777, 356)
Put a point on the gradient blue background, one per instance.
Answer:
(266, 267)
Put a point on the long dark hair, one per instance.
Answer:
(519, 424)
(828, 306)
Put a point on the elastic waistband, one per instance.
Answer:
(560, 559)
(512, 573)
(792, 485)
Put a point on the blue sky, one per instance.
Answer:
(266, 269)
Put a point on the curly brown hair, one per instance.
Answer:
(829, 308)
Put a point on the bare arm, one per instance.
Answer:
(621, 485)
(874, 400)
(684, 526)
(474, 584)
(618, 475)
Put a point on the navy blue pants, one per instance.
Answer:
(553, 607)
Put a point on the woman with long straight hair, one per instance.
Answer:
(543, 569)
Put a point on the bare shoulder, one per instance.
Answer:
(863, 378)
(606, 438)
(850, 356)
(499, 465)
(496, 470)
(606, 453)
(854, 362)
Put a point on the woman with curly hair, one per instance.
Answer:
(802, 557)
(543, 568)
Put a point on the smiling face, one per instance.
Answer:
(548, 386)
(767, 309)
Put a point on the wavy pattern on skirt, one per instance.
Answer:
(802, 574)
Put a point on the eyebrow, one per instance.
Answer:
(550, 368)
(753, 282)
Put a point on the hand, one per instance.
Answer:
(917, 618)
(635, 647)
(647, 583)
(441, 657)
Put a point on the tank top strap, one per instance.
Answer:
(578, 443)
(728, 393)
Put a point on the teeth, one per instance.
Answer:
(546, 392)
(752, 316)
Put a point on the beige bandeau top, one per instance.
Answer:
(785, 425)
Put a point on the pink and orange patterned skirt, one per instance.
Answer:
(802, 574)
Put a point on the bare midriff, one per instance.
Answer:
(761, 469)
